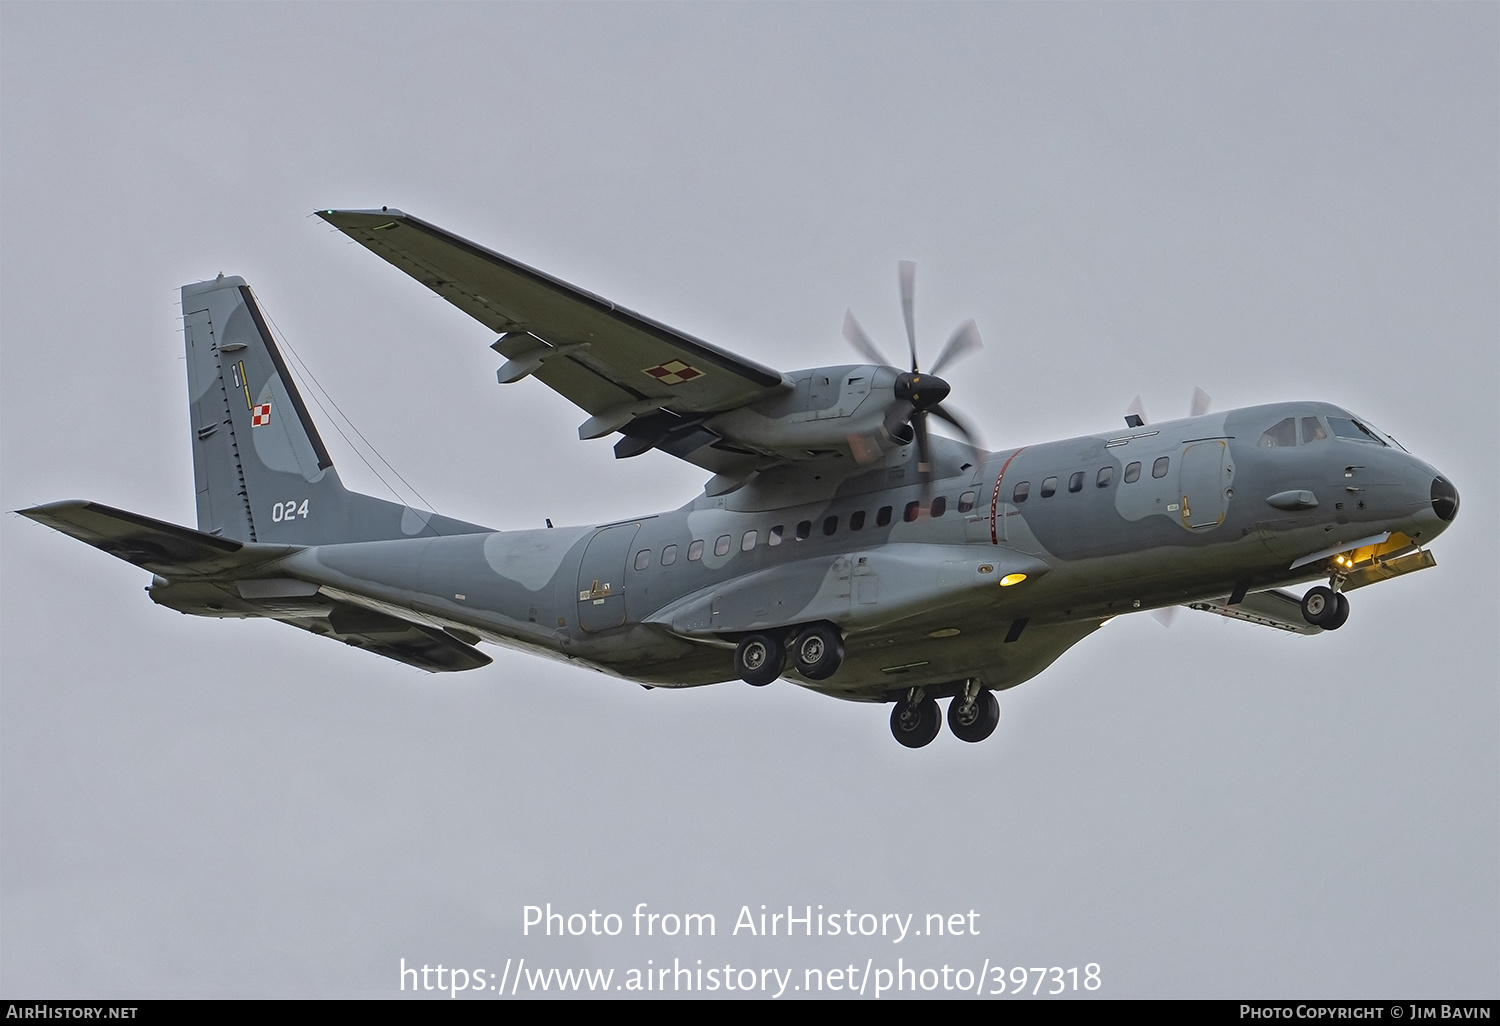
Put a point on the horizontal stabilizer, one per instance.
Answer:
(1274, 608)
(419, 645)
(304, 605)
(155, 545)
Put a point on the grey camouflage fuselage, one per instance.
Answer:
(978, 579)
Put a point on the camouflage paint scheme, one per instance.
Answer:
(1215, 511)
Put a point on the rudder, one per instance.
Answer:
(261, 471)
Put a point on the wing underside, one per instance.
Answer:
(629, 373)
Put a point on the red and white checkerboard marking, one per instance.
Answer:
(260, 415)
(674, 372)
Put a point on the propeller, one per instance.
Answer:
(1135, 413)
(918, 393)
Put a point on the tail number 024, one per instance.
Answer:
(289, 510)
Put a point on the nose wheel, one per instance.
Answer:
(916, 721)
(973, 717)
(1325, 608)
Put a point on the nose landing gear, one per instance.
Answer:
(974, 713)
(916, 721)
(1325, 608)
(972, 716)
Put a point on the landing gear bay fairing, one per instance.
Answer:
(838, 543)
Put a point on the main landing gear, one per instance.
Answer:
(815, 651)
(972, 716)
(1325, 608)
(760, 659)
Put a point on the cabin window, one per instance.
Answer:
(643, 559)
(1075, 483)
(1022, 492)
(804, 530)
(1312, 430)
(669, 555)
(1049, 487)
(966, 502)
(830, 525)
(748, 542)
(939, 506)
(695, 551)
(856, 520)
(1159, 468)
(1284, 433)
(1133, 473)
(883, 516)
(1105, 476)
(912, 511)
(721, 545)
(773, 536)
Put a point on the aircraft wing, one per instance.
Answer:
(620, 367)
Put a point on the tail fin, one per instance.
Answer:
(261, 470)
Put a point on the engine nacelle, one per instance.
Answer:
(831, 410)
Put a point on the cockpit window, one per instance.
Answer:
(1353, 430)
(1312, 430)
(1283, 434)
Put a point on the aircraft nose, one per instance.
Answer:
(1444, 499)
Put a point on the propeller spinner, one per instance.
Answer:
(918, 394)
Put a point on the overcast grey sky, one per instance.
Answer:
(1269, 201)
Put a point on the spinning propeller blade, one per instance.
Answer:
(907, 272)
(964, 340)
(1201, 399)
(918, 394)
(860, 341)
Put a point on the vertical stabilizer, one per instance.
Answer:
(260, 468)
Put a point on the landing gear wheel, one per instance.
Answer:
(759, 659)
(976, 720)
(1340, 616)
(818, 650)
(916, 725)
(1320, 607)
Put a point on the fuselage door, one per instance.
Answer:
(1204, 483)
(601, 578)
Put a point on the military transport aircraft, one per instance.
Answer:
(839, 543)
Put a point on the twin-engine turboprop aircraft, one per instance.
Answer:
(838, 543)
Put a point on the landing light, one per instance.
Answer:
(1009, 579)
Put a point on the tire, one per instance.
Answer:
(1340, 615)
(819, 651)
(759, 659)
(916, 726)
(1320, 606)
(976, 723)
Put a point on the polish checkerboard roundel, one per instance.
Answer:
(674, 372)
(260, 415)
